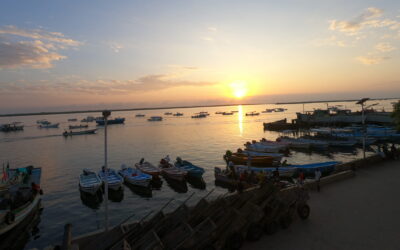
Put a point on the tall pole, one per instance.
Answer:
(105, 116)
(363, 125)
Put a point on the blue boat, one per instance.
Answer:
(101, 122)
(192, 170)
(325, 167)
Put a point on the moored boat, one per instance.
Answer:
(100, 121)
(260, 147)
(89, 182)
(84, 132)
(50, 125)
(155, 119)
(283, 171)
(324, 167)
(253, 113)
(140, 115)
(192, 170)
(78, 126)
(178, 114)
(72, 119)
(168, 113)
(15, 126)
(199, 115)
(239, 159)
(135, 176)
(148, 168)
(114, 181)
(223, 176)
(276, 156)
(170, 171)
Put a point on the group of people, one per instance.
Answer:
(392, 153)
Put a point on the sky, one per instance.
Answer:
(71, 55)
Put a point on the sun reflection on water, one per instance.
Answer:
(240, 119)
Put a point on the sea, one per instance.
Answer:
(201, 141)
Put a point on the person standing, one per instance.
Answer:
(318, 175)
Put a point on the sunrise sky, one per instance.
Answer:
(83, 54)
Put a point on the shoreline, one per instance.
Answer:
(176, 107)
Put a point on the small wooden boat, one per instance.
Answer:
(260, 147)
(254, 160)
(84, 132)
(224, 177)
(135, 176)
(140, 115)
(89, 182)
(43, 122)
(148, 168)
(168, 113)
(55, 125)
(276, 156)
(100, 121)
(15, 126)
(227, 113)
(72, 119)
(155, 119)
(178, 114)
(325, 167)
(88, 119)
(78, 126)
(199, 115)
(170, 171)
(283, 171)
(114, 180)
(254, 113)
(192, 170)
(294, 143)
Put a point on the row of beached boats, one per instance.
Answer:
(140, 175)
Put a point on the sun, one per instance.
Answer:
(239, 89)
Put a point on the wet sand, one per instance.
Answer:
(358, 213)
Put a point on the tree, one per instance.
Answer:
(396, 114)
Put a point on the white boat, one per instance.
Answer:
(259, 147)
(114, 180)
(50, 125)
(283, 171)
(155, 119)
(88, 119)
(83, 132)
(178, 114)
(134, 176)
(293, 143)
(89, 182)
(277, 156)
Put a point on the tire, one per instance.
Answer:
(255, 232)
(234, 242)
(304, 211)
(271, 227)
(285, 221)
(10, 218)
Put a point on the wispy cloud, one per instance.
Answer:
(372, 59)
(21, 48)
(385, 47)
(212, 29)
(116, 47)
(331, 41)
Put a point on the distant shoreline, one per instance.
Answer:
(178, 107)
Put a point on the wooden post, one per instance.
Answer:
(66, 245)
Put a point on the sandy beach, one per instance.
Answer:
(357, 213)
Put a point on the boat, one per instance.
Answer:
(199, 115)
(295, 143)
(223, 176)
(279, 109)
(114, 180)
(168, 113)
(88, 119)
(192, 170)
(219, 113)
(78, 126)
(283, 171)
(148, 168)
(239, 159)
(15, 126)
(84, 132)
(89, 182)
(279, 125)
(253, 113)
(135, 176)
(178, 114)
(268, 111)
(260, 147)
(155, 119)
(140, 115)
(72, 120)
(170, 171)
(324, 167)
(26, 182)
(43, 121)
(227, 113)
(276, 156)
(118, 120)
(54, 125)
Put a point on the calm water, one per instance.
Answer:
(201, 141)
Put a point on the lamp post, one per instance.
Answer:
(362, 102)
(106, 114)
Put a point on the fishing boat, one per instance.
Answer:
(43, 121)
(223, 176)
(88, 119)
(114, 180)
(260, 147)
(295, 143)
(140, 115)
(118, 120)
(54, 125)
(178, 114)
(78, 126)
(135, 176)
(279, 109)
(283, 171)
(276, 156)
(15, 126)
(155, 119)
(239, 159)
(148, 168)
(168, 113)
(268, 111)
(325, 167)
(192, 170)
(21, 187)
(84, 132)
(219, 113)
(170, 171)
(72, 119)
(199, 115)
(253, 113)
(89, 182)
(227, 113)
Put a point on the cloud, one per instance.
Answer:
(365, 19)
(331, 41)
(372, 59)
(116, 47)
(21, 48)
(385, 47)
(147, 83)
(212, 29)
(208, 39)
